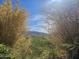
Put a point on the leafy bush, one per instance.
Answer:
(5, 52)
(41, 49)
(21, 48)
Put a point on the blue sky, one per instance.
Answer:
(35, 19)
(33, 7)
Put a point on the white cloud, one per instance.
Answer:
(39, 23)
(39, 29)
(54, 1)
(37, 17)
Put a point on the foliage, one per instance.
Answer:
(12, 26)
(66, 24)
(12, 23)
(41, 49)
(5, 52)
(21, 48)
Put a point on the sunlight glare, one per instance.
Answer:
(56, 0)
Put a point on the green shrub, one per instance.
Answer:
(5, 52)
(41, 49)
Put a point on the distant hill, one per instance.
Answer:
(35, 33)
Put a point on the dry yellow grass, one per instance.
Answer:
(12, 23)
(21, 48)
(12, 26)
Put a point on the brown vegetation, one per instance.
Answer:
(66, 18)
(12, 23)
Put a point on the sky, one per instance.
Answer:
(33, 7)
(35, 18)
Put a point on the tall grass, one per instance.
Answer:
(12, 23)
(12, 26)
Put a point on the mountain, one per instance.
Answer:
(35, 33)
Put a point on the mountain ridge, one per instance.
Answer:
(35, 33)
